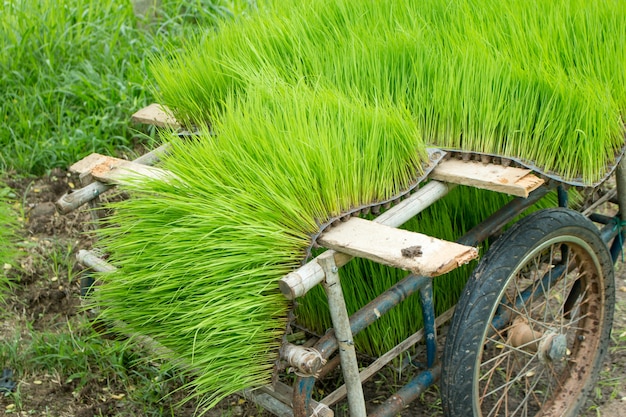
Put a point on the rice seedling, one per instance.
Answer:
(306, 111)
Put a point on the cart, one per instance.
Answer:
(530, 331)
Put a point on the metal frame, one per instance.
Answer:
(344, 327)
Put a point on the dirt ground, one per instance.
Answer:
(47, 301)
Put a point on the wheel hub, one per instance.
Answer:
(521, 335)
(553, 347)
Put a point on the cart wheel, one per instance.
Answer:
(532, 327)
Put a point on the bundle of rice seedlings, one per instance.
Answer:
(542, 81)
(308, 110)
(201, 253)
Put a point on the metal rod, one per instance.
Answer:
(563, 196)
(430, 329)
(504, 215)
(620, 181)
(602, 219)
(610, 231)
(343, 333)
(396, 403)
(301, 400)
(617, 246)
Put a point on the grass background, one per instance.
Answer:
(71, 73)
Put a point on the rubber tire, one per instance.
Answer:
(467, 338)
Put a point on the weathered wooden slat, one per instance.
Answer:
(510, 180)
(77, 198)
(299, 282)
(85, 165)
(111, 170)
(157, 115)
(415, 252)
(116, 171)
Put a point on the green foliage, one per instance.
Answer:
(81, 359)
(200, 253)
(71, 72)
(538, 80)
(8, 228)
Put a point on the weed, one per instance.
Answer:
(62, 262)
(80, 358)
(8, 252)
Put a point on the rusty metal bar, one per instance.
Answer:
(409, 393)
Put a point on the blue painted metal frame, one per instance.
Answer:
(327, 345)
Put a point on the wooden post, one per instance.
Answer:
(341, 324)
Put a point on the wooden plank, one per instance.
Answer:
(76, 198)
(111, 170)
(510, 180)
(297, 283)
(117, 171)
(85, 165)
(399, 248)
(157, 115)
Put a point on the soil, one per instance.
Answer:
(47, 295)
